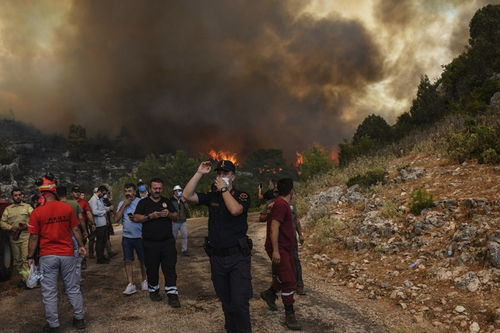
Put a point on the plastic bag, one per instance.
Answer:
(33, 277)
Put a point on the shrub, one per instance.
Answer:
(316, 161)
(420, 200)
(326, 228)
(390, 210)
(475, 141)
(372, 177)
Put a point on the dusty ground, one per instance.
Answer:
(325, 308)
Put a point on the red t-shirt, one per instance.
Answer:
(52, 222)
(281, 212)
(84, 205)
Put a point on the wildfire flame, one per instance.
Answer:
(223, 155)
(299, 160)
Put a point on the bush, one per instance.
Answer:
(475, 141)
(370, 178)
(420, 200)
(390, 210)
(325, 230)
(316, 161)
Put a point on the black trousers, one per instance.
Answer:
(162, 253)
(101, 235)
(232, 281)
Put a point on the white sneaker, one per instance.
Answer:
(144, 285)
(131, 289)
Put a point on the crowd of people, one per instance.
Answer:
(53, 234)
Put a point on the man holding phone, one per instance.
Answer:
(156, 214)
(132, 237)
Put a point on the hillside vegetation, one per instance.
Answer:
(412, 214)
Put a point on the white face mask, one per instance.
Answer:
(226, 180)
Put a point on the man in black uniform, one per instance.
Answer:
(156, 214)
(227, 243)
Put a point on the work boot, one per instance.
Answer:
(155, 296)
(79, 324)
(47, 329)
(291, 321)
(173, 300)
(270, 298)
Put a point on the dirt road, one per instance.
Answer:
(325, 308)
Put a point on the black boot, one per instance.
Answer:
(173, 300)
(79, 324)
(270, 298)
(155, 296)
(290, 319)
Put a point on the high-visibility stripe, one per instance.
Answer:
(287, 294)
(152, 289)
(171, 290)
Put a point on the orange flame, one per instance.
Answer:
(223, 155)
(334, 155)
(299, 160)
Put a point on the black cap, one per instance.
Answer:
(75, 188)
(226, 166)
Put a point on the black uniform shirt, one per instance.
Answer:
(156, 229)
(224, 229)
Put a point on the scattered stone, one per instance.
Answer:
(466, 232)
(403, 305)
(474, 328)
(469, 281)
(459, 309)
(494, 249)
(408, 284)
(410, 173)
(335, 261)
(316, 257)
(435, 219)
(443, 274)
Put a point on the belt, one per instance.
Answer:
(225, 252)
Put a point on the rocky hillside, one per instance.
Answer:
(26, 154)
(441, 265)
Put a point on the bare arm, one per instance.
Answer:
(189, 190)
(78, 235)
(83, 224)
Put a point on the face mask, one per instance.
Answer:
(142, 188)
(226, 180)
(179, 194)
(105, 196)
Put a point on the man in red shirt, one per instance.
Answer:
(51, 226)
(88, 218)
(280, 242)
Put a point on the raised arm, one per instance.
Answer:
(189, 190)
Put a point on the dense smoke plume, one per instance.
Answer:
(226, 74)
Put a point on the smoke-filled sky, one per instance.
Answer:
(226, 74)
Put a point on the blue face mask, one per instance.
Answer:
(142, 188)
(179, 194)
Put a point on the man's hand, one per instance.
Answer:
(14, 228)
(23, 226)
(220, 183)
(205, 167)
(163, 213)
(92, 227)
(276, 257)
(82, 251)
(127, 201)
(30, 262)
(85, 235)
(154, 215)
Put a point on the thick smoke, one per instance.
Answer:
(236, 75)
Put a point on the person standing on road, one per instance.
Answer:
(51, 226)
(88, 218)
(156, 214)
(132, 238)
(99, 211)
(15, 219)
(280, 241)
(227, 244)
(180, 225)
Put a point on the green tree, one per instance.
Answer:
(315, 161)
(374, 127)
(428, 106)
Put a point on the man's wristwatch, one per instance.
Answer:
(146, 218)
(224, 189)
